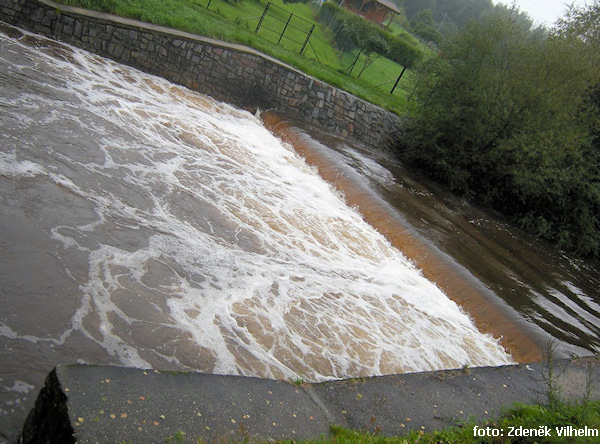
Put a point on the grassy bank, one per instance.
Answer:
(544, 424)
(236, 22)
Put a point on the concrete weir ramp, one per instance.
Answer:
(84, 404)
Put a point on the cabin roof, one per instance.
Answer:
(388, 4)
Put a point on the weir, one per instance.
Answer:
(172, 231)
(490, 317)
(175, 232)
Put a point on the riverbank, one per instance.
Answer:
(116, 404)
(153, 307)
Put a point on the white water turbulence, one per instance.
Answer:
(164, 229)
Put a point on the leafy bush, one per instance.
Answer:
(503, 115)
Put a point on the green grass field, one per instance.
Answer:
(236, 22)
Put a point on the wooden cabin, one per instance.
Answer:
(376, 11)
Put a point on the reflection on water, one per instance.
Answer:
(146, 225)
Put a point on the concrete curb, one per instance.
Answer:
(115, 404)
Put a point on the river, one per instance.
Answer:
(146, 225)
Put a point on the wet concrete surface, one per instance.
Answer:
(117, 404)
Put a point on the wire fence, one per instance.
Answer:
(286, 25)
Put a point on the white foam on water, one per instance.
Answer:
(21, 387)
(214, 246)
(10, 167)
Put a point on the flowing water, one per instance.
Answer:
(523, 291)
(142, 224)
(146, 225)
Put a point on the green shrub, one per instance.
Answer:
(501, 116)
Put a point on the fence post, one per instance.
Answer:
(351, 67)
(398, 80)
(263, 16)
(307, 39)
(284, 28)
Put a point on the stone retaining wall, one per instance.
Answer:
(231, 73)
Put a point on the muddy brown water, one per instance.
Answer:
(146, 225)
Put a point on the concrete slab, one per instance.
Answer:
(89, 404)
(115, 404)
(428, 401)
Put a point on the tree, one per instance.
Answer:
(583, 22)
(502, 115)
(412, 7)
(373, 47)
(423, 25)
(457, 12)
(511, 10)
